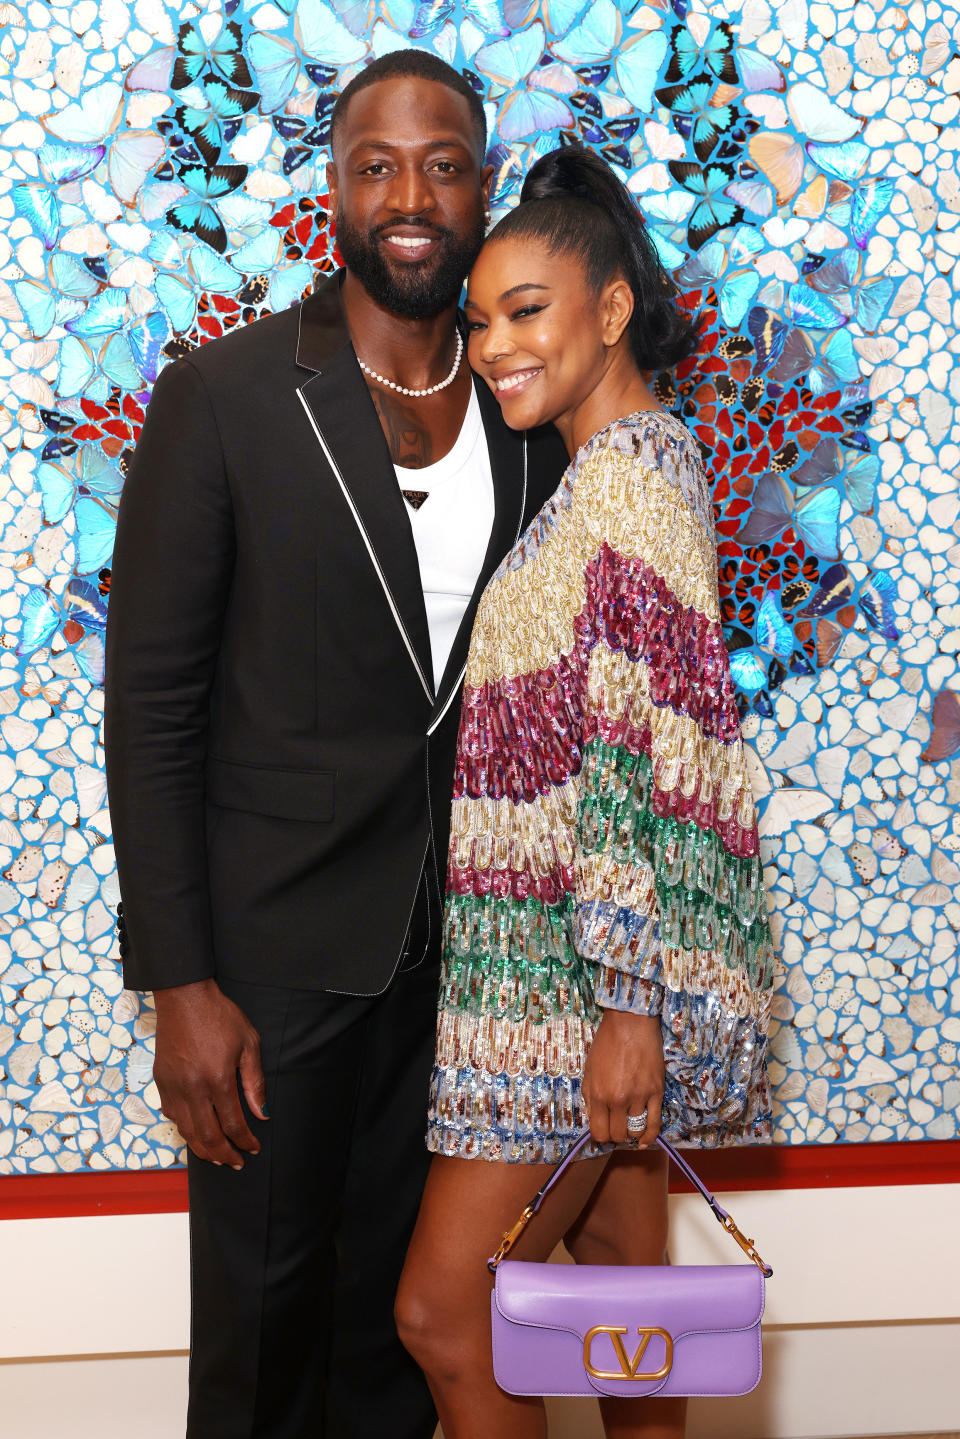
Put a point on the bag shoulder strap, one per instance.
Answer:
(512, 1235)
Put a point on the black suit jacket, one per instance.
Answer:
(279, 767)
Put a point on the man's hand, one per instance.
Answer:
(624, 1075)
(203, 1039)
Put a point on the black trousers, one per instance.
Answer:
(295, 1259)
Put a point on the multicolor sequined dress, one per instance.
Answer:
(603, 850)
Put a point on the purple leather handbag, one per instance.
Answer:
(619, 1330)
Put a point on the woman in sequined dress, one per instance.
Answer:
(607, 958)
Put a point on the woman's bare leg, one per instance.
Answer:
(443, 1303)
(624, 1221)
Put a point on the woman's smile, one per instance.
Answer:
(514, 381)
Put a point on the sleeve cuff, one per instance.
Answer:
(629, 993)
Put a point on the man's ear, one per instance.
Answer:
(333, 188)
(486, 180)
(616, 309)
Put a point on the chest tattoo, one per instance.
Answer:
(409, 440)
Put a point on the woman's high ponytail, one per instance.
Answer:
(573, 202)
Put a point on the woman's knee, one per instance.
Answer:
(438, 1338)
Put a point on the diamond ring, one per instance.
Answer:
(636, 1123)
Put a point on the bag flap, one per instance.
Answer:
(618, 1306)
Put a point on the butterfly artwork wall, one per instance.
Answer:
(162, 181)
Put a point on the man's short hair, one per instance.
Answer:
(412, 64)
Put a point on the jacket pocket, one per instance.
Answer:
(303, 794)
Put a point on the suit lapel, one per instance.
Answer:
(347, 428)
(508, 466)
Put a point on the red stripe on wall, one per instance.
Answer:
(43, 1196)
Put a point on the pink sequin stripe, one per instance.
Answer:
(636, 611)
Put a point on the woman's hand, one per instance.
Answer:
(623, 1075)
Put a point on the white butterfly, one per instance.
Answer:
(133, 155)
(51, 882)
(786, 807)
(90, 119)
(91, 789)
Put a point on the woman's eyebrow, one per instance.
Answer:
(507, 294)
(515, 290)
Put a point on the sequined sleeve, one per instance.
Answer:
(669, 896)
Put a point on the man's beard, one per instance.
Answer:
(417, 292)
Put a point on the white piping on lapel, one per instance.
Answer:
(459, 681)
(366, 540)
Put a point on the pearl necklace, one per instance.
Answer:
(417, 394)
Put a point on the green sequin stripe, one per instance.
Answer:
(511, 957)
(707, 897)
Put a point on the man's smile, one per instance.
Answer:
(410, 242)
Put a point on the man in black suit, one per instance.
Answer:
(280, 737)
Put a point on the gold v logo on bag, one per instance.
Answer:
(629, 1368)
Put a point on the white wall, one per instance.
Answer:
(862, 1330)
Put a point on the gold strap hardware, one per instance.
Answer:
(510, 1238)
(745, 1244)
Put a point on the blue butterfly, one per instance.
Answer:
(432, 15)
(593, 39)
(638, 68)
(63, 161)
(199, 214)
(96, 528)
(694, 117)
(876, 598)
(73, 277)
(768, 334)
(85, 604)
(59, 487)
(210, 129)
(288, 286)
(716, 54)
(736, 296)
(225, 55)
(105, 313)
(179, 301)
(77, 368)
(812, 310)
(834, 590)
(828, 463)
(748, 671)
(40, 619)
(837, 365)
(118, 363)
(872, 302)
(276, 64)
(42, 309)
(38, 204)
(869, 203)
(846, 161)
(758, 72)
(512, 63)
(816, 519)
(713, 212)
(147, 337)
(507, 173)
(773, 633)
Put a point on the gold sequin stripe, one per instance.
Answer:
(557, 1047)
(546, 594)
(506, 1046)
(683, 757)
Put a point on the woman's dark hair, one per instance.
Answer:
(573, 203)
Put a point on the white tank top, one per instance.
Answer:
(451, 529)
